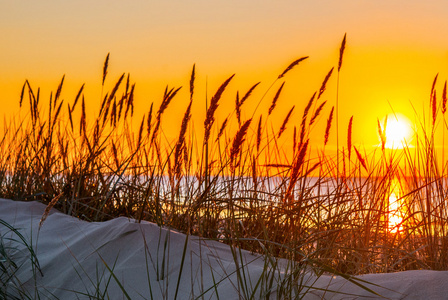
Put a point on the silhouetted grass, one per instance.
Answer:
(239, 186)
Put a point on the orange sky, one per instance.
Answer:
(394, 50)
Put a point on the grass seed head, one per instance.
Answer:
(317, 113)
(285, 122)
(360, 158)
(237, 143)
(341, 52)
(291, 66)
(434, 108)
(192, 78)
(214, 103)
(106, 64)
(221, 130)
(324, 83)
(274, 101)
(327, 129)
(259, 130)
(444, 99)
(349, 137)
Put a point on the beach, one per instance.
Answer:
(123, 259)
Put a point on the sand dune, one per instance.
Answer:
(78, 258)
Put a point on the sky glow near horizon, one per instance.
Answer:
(394, 50)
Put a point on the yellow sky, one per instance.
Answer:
(394, 50)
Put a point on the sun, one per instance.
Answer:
(396, 131)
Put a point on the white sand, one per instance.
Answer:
(71, 254)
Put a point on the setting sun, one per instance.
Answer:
(396, 131)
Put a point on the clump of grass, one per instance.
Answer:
(247, 191)
(11, 287)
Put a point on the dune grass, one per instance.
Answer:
(10, 262)
(239, 187)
